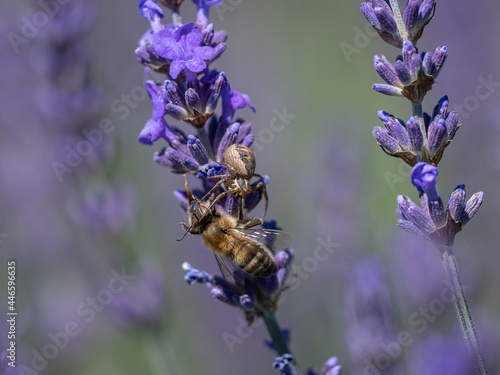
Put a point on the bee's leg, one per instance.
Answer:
(263, 191)
(253, 222)
(241, 211)
(184, 225)
(219, 183)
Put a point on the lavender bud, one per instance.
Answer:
(225, 295)
(227, 140)
(386, 71)
(387, 89)
(181, 162)
(193, 101)
(207, 34)
(451, 124)
(427, 63)
(197, 149)
(472, 206)
(367, 10)
(415, 134)
(172, 93)
(420, 219)
(436, 136)
(438, 60)
(386, 20)
(160, 158)
(215, 94)
(410, 17)
(385, 140)
(403, 72)
(410, 228)
(243, 132)
(248, 140)
(426, 11)
(415, 67)
(409, 51)
(176, 111)
(456, 203)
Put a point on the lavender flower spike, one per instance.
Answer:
(408, 142)
(433, 221)
(413, 75)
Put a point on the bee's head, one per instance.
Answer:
(199, 215)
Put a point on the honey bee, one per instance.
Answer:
(240, 163)
(232, 239)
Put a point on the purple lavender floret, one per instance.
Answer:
(433, 221)
(249, 293)
(406, 140)
(413, 75)
(417, 15)
(379, 15)
(203, 11)
(184, 49)
(284, 364)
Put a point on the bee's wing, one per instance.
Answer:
(272, 239)
(227, 269)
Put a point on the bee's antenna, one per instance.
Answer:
(187, 231)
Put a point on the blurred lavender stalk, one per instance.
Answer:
(176, 58)
(370, 320)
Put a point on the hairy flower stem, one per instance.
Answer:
(399, 20)
(462, 309)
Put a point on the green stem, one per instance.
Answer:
(277, 337)
(462, 310)
(275, 331)
(399, 20)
